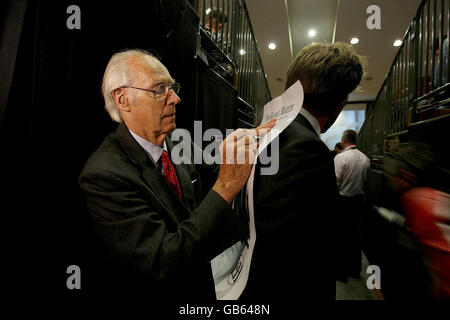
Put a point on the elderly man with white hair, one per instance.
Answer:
(157, 226)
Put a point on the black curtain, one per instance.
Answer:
(55, 119)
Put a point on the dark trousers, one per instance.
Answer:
(351, 214)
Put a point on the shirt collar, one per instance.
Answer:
(152, 150)
(353, 146)
(311, 119)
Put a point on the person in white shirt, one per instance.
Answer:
(351, 166)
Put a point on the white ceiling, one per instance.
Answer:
(287, 22)
(270, 24)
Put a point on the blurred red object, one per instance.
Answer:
(427, 214)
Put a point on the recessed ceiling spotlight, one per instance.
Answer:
(397, 43)
(312, 33)
(272, 46)
(242, 52)
(208, 10)
(354, 41)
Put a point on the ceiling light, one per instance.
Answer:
(354, 41)
(397, 43)
(272, 46)
(242, 52)
(312, 33)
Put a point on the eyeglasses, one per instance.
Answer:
(160, 92)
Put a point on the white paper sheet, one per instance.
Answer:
(284, 108)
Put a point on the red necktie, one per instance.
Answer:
(170, 174)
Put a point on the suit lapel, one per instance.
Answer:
(151, 175)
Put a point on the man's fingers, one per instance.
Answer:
(242, 153)
(246, 140)
(262, 129)
(269, 123)
(266, 126)
(246, 154)
(233, 145)
(245, 147)
(252, 146)
(237, 134)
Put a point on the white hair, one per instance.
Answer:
(117, 74)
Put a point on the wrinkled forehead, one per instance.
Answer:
(149, 69)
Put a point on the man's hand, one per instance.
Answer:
(238, 153)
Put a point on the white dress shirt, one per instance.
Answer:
(351, 167)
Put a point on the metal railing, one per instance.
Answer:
(417, 86)
(226, 23)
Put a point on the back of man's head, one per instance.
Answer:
(349, 136)
(328, 73)
(338, 146)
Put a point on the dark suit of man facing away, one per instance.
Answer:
(295, 255)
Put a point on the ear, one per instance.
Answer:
(121, 100)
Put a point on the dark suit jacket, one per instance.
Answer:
(294, 213)
(151, 242)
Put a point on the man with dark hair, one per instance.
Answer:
(295, 250)
(349, 137)
(337, 149)
(351, 167)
